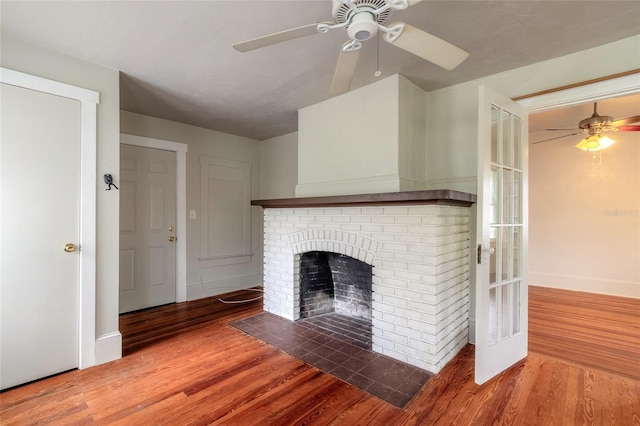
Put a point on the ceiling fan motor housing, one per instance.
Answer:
(598, 122)
(362, 26)
(362, 22)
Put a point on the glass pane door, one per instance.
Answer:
(501, 293)
(506, 225)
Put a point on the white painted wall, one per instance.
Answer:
(367, 140)
(452, 138)
(348, 144)
(452, 111)
(412, 135)
(207, 277)
(584, 219)
(31, 59)
(279, 166)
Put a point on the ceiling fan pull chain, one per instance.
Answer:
(377, 73)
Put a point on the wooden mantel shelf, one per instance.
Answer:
(444, 197)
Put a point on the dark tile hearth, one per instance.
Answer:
(339, 345)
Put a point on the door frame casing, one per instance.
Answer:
(181, 202)
(614, 88)
(89, 100)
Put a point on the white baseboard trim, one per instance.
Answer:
(108, 347)
(202, 289)
(472, 331)
(586, 284)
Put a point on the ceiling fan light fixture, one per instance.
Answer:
(362, 27)
(595, 143)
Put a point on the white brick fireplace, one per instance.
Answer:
(420, 258)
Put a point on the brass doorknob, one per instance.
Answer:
(172, 238)
(69, 247)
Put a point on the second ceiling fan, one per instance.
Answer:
(363, 19)
(595, 127)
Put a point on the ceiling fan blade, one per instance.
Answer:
(275, 38)
(559, 137)
(628, 120)
(429, 47)
(566, 130)
(345, 68)
(630, 128)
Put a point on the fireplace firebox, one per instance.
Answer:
(332, 282)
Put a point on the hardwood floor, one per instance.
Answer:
(593, 330)
(184, 364)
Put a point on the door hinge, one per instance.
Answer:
(479, 254)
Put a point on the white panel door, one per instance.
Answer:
(501, 285)
(147, 227)
(40, 193)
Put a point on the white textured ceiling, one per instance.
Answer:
(177, 61)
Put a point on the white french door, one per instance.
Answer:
(501, 286)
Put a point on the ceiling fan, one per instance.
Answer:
(363, 19)
(595, 126)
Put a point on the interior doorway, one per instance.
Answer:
(171, 237)
(47, 170)
(588, 240)
(147, 227)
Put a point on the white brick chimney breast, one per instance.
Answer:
(420, 259)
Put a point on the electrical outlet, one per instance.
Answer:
(192, 214)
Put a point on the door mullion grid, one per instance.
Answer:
(505, 228)
(499, 230)
(511, 141)
(518, 224)
(510, 276)
(499, 133)
(509, 228)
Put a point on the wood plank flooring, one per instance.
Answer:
(184, 364)
(593, 330)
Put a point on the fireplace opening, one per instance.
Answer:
(331, 282)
